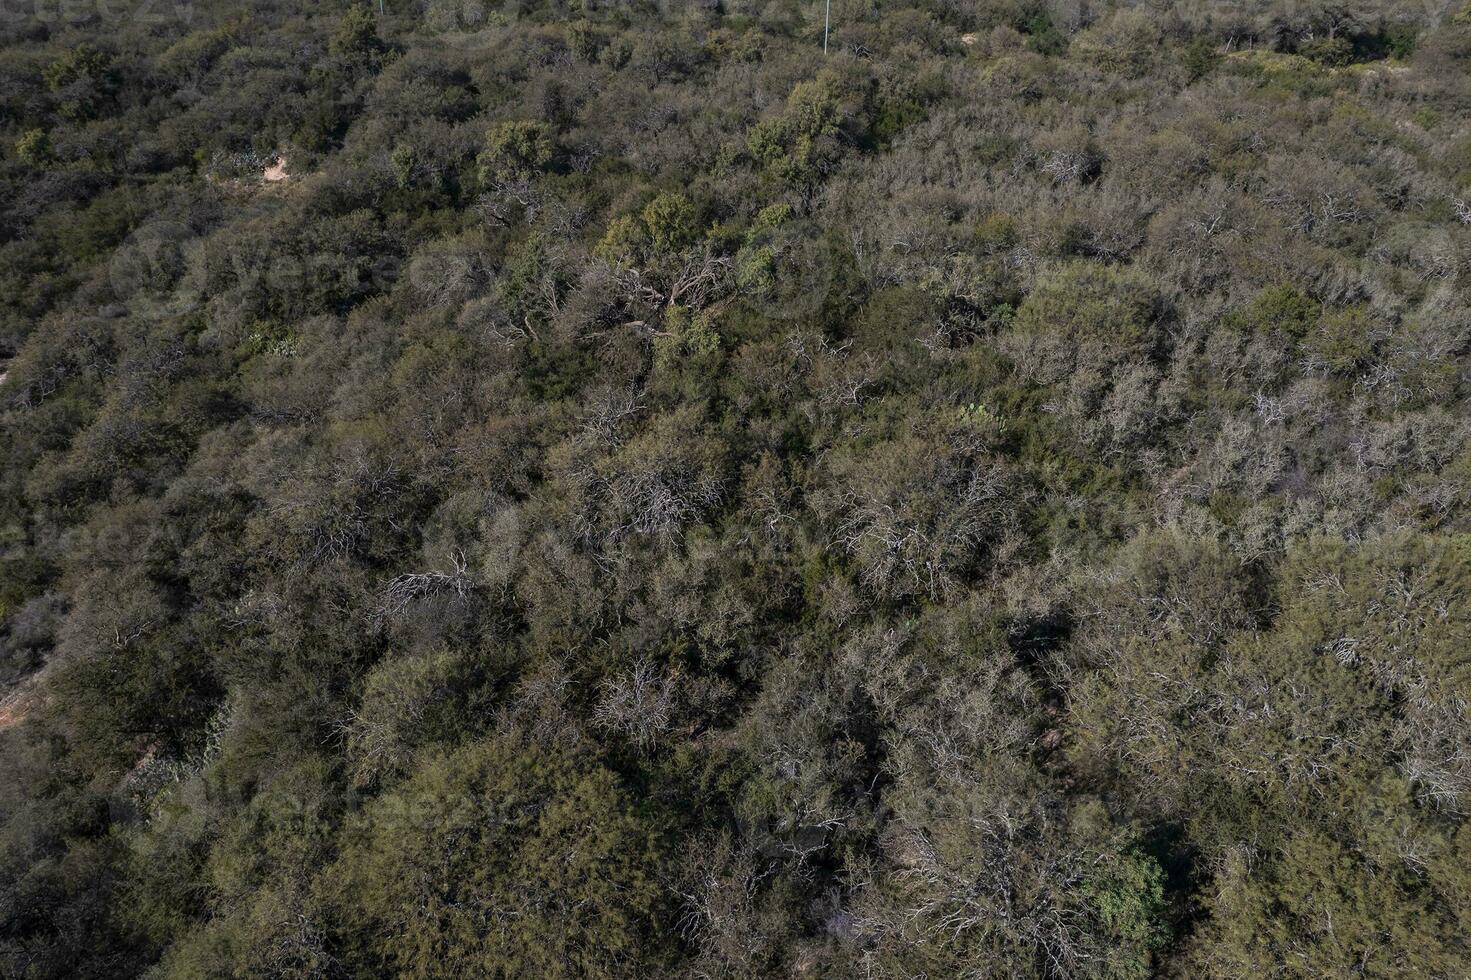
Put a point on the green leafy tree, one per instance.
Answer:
(1086, 316)
(515, 149)
(1200, 58)
(34, 147)
(356, 36)
(82, 81)
(405, 163)
(501, 860)
(670, 221)
(799, 145)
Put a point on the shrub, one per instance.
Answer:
(500, 860)
(515, 149)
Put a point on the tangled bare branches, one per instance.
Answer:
(405, 590)
(637, 704)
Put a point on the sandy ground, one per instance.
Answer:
(276, 172)
(17, 705)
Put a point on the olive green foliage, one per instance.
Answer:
(404, 160)
(356, 35)
(34, 147)
(1085, 318)
(644, 498)
(515, 149)
(667, 224)
(669, 221)
(801, 143)
(499, 860)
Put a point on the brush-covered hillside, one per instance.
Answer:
(614, 490)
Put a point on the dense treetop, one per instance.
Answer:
(606, 490)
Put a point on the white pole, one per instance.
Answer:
(826, 20)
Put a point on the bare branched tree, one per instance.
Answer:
(638, 704)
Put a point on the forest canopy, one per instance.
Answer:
(970, 488)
